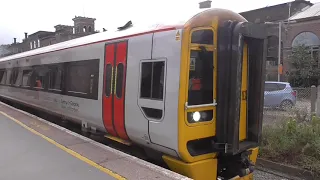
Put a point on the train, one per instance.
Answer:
(192, 91)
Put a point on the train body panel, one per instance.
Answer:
(167, 47)
(78, 108)
(136, 126)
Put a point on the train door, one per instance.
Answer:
(114, 89)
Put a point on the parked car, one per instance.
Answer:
(279, 95)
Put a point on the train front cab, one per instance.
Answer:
(221, 96)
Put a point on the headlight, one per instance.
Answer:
(202, 116)
(196, 116)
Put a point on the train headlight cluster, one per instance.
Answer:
(196, 116)
(202, 116)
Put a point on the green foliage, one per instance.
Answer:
(294, 142)
(303, 71)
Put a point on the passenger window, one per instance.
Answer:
(41, 74)
(204, 36)
(119, 80)
(19, 79)
(14, 76)
(26, 78)
(200, 77)
(55, 78)
(4, 78)
(79, 79)
(152, 80)
(108, 80)
(8, 76)
(2, 73)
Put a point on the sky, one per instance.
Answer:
(19, 16)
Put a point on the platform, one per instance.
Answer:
(32, 148)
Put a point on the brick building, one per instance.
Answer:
(300, 21)
(82, 26)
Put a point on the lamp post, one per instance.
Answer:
(280, 23)
(279, 51)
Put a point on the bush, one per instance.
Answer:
(293, 142)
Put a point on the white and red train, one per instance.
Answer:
(192, 91)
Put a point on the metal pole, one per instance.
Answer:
(279, 51)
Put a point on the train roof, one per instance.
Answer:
(175, 22)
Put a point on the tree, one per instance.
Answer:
(303, 71)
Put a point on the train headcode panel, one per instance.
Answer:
(189, 94)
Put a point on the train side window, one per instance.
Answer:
(152, 80)
(2, 74)
(119, 81)
(19, 78)
(79, 79)
(55, 78)
(82, 78)
(26, 78)
(203, 36)
(14, 76)
(4, 78)
(9, 71)
(40, 77)
(108, 80)
(152, 86)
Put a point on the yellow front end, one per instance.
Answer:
(197, 100)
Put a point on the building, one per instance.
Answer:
(82, 26)
(299, 21)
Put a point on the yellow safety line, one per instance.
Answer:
(73, 153)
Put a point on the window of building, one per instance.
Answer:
(90, 29)
(34, 44)
(30, 45)
(84, 28)
(307, 39)
(38, 43)
(152, 80)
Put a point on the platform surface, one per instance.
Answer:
(34, 149)
(25, 155)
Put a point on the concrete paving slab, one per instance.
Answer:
(24, 155)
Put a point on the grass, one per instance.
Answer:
(294, 141)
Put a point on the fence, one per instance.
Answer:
(281, 104)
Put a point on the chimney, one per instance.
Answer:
(25, 35)
(205, 4)
(14, 40)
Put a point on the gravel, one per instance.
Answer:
(260, 175)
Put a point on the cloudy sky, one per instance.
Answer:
(19, 16)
